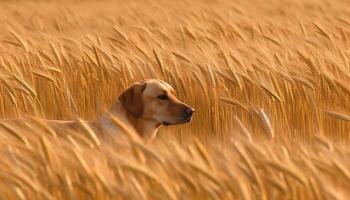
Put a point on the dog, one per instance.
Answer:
(143, 107)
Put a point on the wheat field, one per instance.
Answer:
(269, 81)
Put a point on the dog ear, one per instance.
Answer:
(132, 100)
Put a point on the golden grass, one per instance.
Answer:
(269, 81)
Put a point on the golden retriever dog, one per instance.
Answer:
(142, 107)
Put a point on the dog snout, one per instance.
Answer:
(188, 111)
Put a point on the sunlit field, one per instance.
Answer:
(270, 82)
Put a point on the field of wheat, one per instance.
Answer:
(269, 81)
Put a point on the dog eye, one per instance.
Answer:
(163, 97)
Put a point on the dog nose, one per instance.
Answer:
(189, 111)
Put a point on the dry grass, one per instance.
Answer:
(269, 80)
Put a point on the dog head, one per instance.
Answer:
(155, 100)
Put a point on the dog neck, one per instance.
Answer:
(145, 128)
